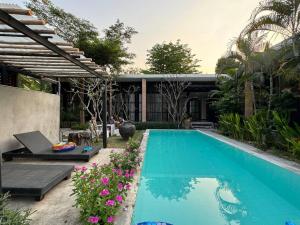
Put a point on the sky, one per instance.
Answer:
(207, 26)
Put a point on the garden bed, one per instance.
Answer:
(106, 194)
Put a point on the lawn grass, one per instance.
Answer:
(118, 142)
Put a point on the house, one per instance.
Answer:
(143, 101)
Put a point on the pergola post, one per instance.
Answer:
(104, 115)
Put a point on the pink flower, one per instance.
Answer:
(94, 164)
(110, 219)
(127, 186)
(127, 175)
(83, 169)
(77, 168)
(105, 180)
(120, 186)
(110, 202)
(83, 177)
(119, 172)
(132, 171)
(119, 198)
(104, 192)
(93, 219)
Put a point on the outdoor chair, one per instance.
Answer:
(36, 145)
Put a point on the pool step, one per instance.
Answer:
(201, 125)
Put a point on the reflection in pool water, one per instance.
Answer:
(189, 178)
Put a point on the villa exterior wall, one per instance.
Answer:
(25, 111)
(150, 105)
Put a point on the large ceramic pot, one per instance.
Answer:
(187, 123)
(127, 130)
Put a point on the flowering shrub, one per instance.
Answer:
(100, 191)
(129, 160)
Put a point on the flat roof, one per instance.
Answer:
(161, 77)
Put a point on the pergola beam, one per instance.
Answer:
(59, 43)
(33, 51)
(17, 25)
(39, 31)
(17, 11)
(54, 70)
(30, 22)
(41, 58)
(46, 65)
(19, 35)
(75, 75)
(36, 53)
(35, 47)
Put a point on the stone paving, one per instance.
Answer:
(57, 206)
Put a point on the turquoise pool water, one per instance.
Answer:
(189, 178)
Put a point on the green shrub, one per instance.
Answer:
(289, 135)
(78, 126)
(12, 217)
(133, 144)
(258, 128)
(231, 125)
(155, 125)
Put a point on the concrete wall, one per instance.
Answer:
(25, 111)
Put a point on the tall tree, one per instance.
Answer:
(279, 16)
(171, 58)
(244, 50)
(110, 51)
(269, 64)
(67, 25)
(227, 97)
(227, 65)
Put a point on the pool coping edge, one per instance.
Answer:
(283, 163)
(125, 216)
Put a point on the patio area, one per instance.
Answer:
(58, 204)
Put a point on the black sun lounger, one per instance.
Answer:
(39, 147)
(32, 180)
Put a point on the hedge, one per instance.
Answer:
(155, 125)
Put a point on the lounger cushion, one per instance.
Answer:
(34, 141)
(38, 146)
(32, 180)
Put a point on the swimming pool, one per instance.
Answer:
(189, 178)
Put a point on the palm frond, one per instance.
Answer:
(278, 7)
(236, 55)
(269, 22)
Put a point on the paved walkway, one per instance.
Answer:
(57, 206)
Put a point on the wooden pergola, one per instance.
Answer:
(29, 46)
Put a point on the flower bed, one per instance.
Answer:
(100, 191)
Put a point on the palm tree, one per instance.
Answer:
(268, 63)
(278, 16)
(244, 49)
